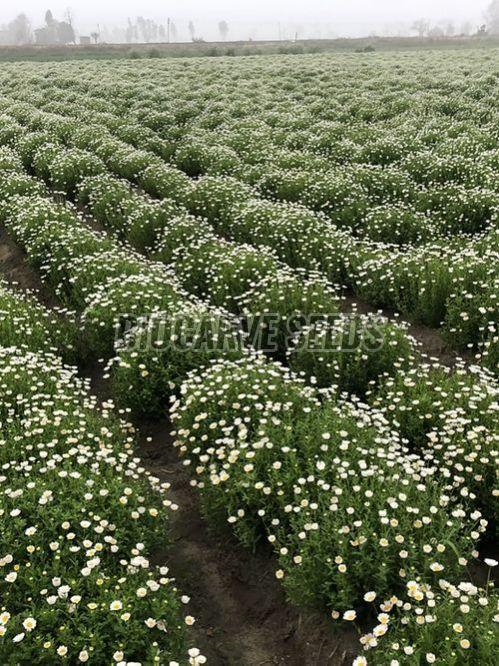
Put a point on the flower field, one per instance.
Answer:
(294, 262)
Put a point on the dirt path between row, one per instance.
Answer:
(243, 618)
(429, 339)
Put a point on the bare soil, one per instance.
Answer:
(242, 615)
(429, 339)
(17, 272)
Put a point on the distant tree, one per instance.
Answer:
(482, 30)
(152, 28)
(466, 28)
(65, 33)
(436, 32)
(450, 29)
(20, 30)
(223, 29)
(421, 26)
(299, 31)
(68, 16)
(173, 32)
(141, 28)
(162, 33)
(192, 30)
(492, 16)
(147, 28)
(95, 36)
(56, 32)
(129, 32)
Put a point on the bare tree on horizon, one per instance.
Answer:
(421, 26)
(192, 30)
(20, 30)
(492, 15)
(223, 29)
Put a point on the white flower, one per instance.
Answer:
(436, 566)
(115, 605)
(349, 615)
(83, 656)
(29, 623)
(490, 562)
(380, 630)
(195, 657)
(63, 591)
(18, 638)
(369, 596)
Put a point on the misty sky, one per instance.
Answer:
(89, 12)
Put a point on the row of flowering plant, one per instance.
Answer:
(80, 517)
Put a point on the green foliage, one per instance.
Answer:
(72, 525)
(353, 352)
(156, 355)
(262, 191)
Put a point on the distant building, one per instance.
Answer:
(85, 40)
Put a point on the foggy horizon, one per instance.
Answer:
(260, 19)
